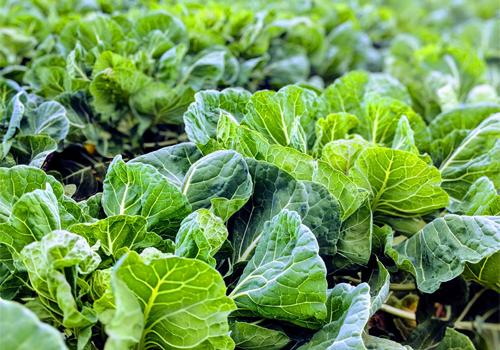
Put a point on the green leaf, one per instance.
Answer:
(19, 180)
(348, 312)
(173, 162)
(32, 149)
(341, 154)
(140, 189)
(117, 232)
(476, 156)
(466, 117)
(286, 278)
(376, 343)
(439, 252)
(355, 242)
(115, 80)
(275, 190)
(300, 165)
(482, 198)
(379, 120)
(53, 266)
(203, 114)
(404, 137)
(250, 336)
(221, 179)
(485, 272)
(401, 184)
(200, 236)
(282, 116)
(333, 127)
(176, 294)
(22, 330)
(454, 340)
(123, 319)
(379, 287)
(347, 93)
(33, 216)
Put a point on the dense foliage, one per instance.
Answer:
(312, 175)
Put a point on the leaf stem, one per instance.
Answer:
(402, 286)
(469, 305)
(398, 312)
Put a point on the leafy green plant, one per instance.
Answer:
(249, 175)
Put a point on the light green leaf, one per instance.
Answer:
(140, 189)
(53, 266)
(482, 198)
(117, 232)
(355, 242)
(203, 114)
(401, 184)
(439, 252)
(347, 93)
(173, 162)
(454, 340)
(333, 127)
(22, 330)
(123, 318)
(162, 103)
(476, 156)
(200, 236)
(275, 190)
(404, 137)
(282, 116)
(178, 294)
(286, 278)
(33, 216)
(32, 149)
(341, 154)
(19, 180)
(220, 178)
(300, 165)
(466, 117)
(486, 272)
(250, 336)
(348, 312)
(115, 80)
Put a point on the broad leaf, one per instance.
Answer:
(22, 330)
(275, 190)
(176, 294)
(140, 189)
(482, 198)
(220, 179)
(250, 336)
(282, 116)
(203, 114)
(286, 278)
(173, 162)
(117, 234)
(439, 252)
(333, 127)
(454, 340)
(53, 266)
(348, 312)
(476, 156)
(400, 183)
(200, 236)
(485, 272)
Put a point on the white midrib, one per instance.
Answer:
(122, 204)
(250, 248)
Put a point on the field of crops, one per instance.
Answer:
(255, 175)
